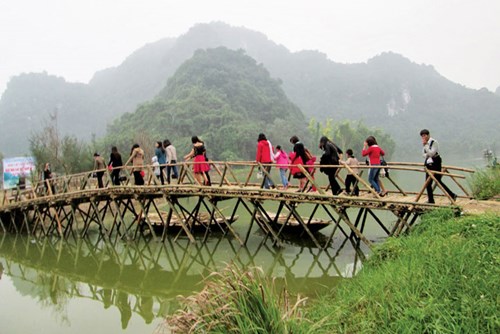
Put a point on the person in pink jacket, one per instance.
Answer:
(282, 161)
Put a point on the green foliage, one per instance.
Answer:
(67, 154)
(222, 96)
(443, 277)
(485, 183)
(351, 134)
(237, 301)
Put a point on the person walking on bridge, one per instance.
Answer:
(99, 167)
(350, 178)
(332, 156)
(265, 155)
(47, 180)
(171, 159)
(200, 166)
(115, 162)
(433, 162)
(137, 159)
(161, 157)
(374, 152)
(282, 161)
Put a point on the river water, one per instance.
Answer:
(92, 286)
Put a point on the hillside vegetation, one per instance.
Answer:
(221, 95)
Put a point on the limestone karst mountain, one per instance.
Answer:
(388, 91)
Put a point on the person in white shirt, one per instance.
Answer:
(171, 160)
(433, 162)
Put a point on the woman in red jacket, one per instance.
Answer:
(265, 155)
(373, 151)
(298, 157)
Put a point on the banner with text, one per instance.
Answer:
(17, 171)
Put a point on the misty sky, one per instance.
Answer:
(75, 38)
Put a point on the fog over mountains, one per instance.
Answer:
(389, 91)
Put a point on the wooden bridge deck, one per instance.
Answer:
(124, 211)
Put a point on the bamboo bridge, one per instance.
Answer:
(72, 206)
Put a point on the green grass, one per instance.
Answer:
(443, 278)
(485, 183)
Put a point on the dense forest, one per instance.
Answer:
(225, 97)
(388, 91)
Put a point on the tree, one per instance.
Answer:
(351, 134)
(68, 155)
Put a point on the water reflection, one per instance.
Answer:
(144, 278)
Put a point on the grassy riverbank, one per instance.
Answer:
(442, 278)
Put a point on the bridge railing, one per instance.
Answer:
(246, 174)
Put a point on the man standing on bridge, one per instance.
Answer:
(433, 163)
(99, 167)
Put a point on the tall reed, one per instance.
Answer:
(237, 301)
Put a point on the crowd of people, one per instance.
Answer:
(299, 163)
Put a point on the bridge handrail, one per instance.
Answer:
(227, 173)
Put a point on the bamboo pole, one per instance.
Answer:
(363, 182)
(310, 178)
(457, 183)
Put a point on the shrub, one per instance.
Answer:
(485, 183)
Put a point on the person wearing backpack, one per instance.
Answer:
(331, 156)
(433, 162)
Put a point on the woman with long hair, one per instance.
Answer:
(161, 157)
(331, 156)
(374, 152)
(115, 162)
(282, 161)
(265, 156)
(137, 159)
(298, 157)
(200, 166)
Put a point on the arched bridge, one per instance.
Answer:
(72, 206)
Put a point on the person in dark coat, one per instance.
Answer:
(332, 154)
(115, 162)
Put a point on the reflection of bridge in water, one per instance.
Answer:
(144, 278)
(126, 212)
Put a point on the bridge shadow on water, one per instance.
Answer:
(144, 278)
